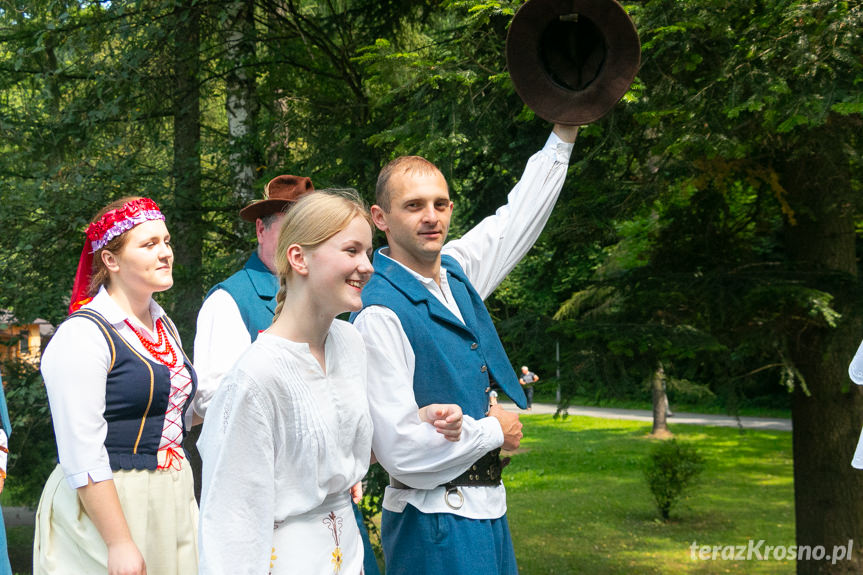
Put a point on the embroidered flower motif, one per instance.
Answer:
(337, 560)
(334, 523)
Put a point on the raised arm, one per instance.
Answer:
(490, 250)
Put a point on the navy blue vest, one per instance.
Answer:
(254, 289)
(453, 359)
(136, 398)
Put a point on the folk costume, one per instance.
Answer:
(233, 314)
(282, 445)
(119, 404)
(239, 308)
(430, 343)
(5, 432)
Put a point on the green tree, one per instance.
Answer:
(746, 154)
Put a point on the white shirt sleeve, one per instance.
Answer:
(4, 455)
(409, 449)
(238, 496)
(221, 338)
(75, 369)
(491, 249)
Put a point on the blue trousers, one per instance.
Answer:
(370, 564)
(418, 543)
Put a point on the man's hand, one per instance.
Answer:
(445, 417)
(566, 133)
(510, 425)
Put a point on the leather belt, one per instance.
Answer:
(485, 471)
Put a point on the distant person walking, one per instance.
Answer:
(527, 379)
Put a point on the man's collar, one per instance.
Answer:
(411, 285)
(266, 284)
(385, 251)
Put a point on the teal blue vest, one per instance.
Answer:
(254, 289)
(455, 361)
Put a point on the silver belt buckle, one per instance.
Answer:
(460, 500)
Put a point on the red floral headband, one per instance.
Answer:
(99, 233)
(116, 222)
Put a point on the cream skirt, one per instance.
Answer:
(160, 510)
(323, 541)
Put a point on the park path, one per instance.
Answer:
(744, 422)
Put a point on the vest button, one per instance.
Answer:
(474, 345)
(483, 369)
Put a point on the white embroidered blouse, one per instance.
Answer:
(281, 434)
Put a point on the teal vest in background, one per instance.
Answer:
(4, 412)
(455, 361)
(254, 289)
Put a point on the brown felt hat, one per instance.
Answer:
(279, 193)
(572, 60)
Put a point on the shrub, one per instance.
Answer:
(671, 469)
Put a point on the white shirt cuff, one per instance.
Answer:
(76, 480)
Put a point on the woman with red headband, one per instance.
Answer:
(121, 501)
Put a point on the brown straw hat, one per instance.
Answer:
(572, 60)
(279, 193)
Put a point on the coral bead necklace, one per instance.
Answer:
(161, 349)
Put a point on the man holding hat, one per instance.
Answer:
(239, 308)
(430, 339)
(428, 335)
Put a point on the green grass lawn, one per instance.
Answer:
(578, 502)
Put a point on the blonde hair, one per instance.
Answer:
(312, 220)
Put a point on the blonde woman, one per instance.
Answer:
(288, 433)
(121, 501)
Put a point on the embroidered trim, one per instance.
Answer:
(334, 524)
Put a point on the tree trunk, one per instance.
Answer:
(241, 103)
(186, 223)
(828, 492)
(660, 404)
